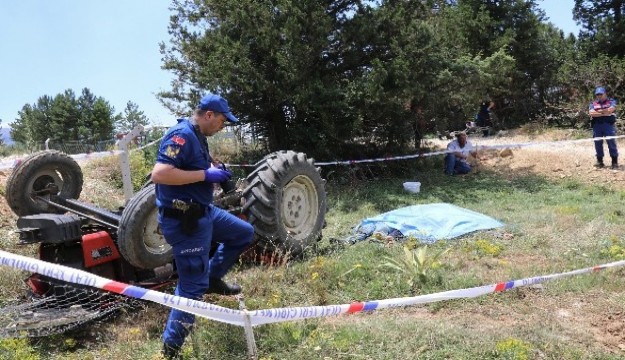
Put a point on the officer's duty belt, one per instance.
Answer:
(176, 213)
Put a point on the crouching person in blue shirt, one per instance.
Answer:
(185, 175)
(456, 160)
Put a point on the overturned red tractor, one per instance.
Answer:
(284, 199)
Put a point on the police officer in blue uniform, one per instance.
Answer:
(185, 175)
(482, 119)
(603, 119)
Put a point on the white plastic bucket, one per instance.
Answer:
(413, 187)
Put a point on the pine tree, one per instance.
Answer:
(603, 24)
(310, 75)
(131, 117)
(1, 134)
(65, 118)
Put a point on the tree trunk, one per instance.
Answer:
(278, 135)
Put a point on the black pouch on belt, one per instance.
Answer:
(191, 218)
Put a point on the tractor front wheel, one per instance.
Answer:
(139, 238)
(285, 201)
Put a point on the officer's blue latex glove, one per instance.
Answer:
(216, 175)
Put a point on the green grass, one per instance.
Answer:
(551, 226)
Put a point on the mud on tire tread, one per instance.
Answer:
(139, 213)
(269, 211)
(33, 173)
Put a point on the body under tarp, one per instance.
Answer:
(428, 223)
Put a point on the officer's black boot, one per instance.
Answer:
(171, 352)
(599, 164)
(614, 163)
(218, 286)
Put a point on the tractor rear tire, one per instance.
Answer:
(285, 201)
(36, 173)
(139, 239)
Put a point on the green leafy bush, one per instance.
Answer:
(513, 349)
(614, 249)
(416, 264)
(18, 349)
(109, 168)
(482, 247)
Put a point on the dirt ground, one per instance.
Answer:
(567, 158)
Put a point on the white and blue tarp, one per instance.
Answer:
(428, 223)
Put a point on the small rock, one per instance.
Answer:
(564, 313)
(505, 153)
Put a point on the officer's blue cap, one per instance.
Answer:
(600, 90)
(214, 102)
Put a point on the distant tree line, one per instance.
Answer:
(328, 76)
(66, 118)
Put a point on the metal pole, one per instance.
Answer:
(252, 351)
(124, 161)
(77, 212)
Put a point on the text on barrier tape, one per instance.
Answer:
(259, 317)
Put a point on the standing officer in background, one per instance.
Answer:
(482, 119)
(185, 175)
(603, 119)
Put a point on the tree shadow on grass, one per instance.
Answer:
(387, 193)
(480, 187)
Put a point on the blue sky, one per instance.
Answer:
(560, 13)
(110, 47)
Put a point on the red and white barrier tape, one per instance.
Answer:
(259, 317)
(442, 152)
(7, 164)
